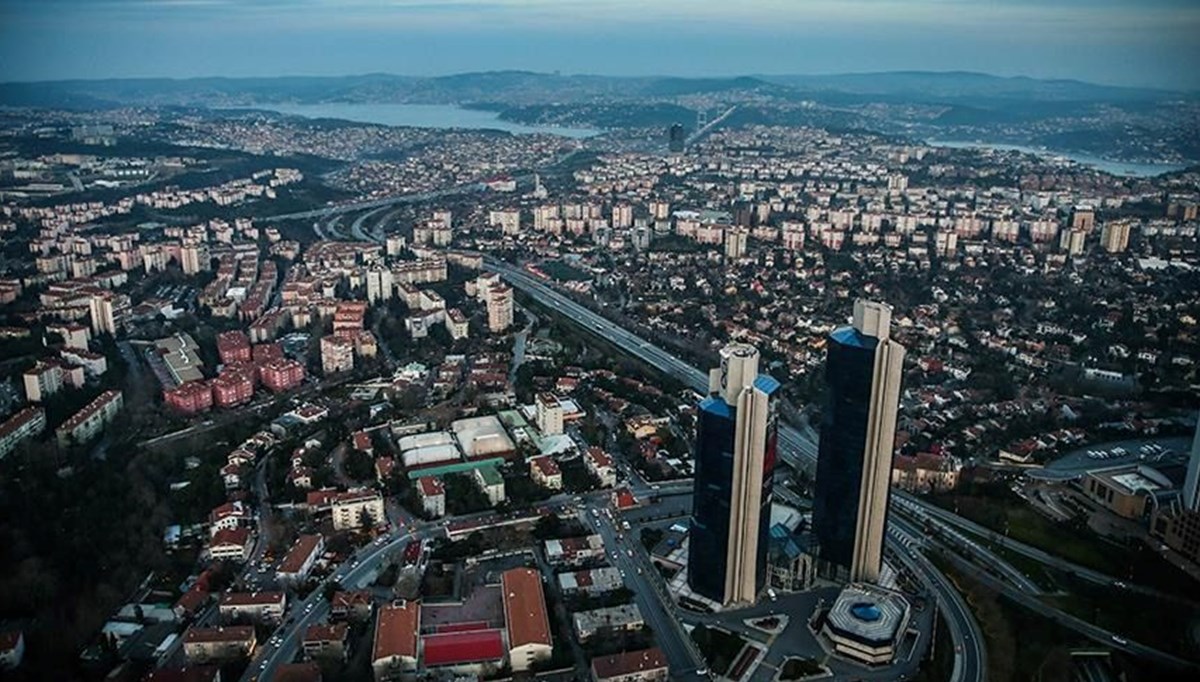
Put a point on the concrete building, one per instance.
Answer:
(91, 420)
(647, 665)
(232, 545)
(102, 312)
(545, 472)
(326, 641)
(218, 645)
(433, 496)
(456, 324)
(600, 464)
(735, 460)
(862, 372)
(500, 308)
(1190, 494)
(380, 285)
(525, 619)
(623, 618)
(45, 379)
(866, 623)
(925, 472)
(394, 652)
(1115, 237)
(491, 483)
(194, 258)
(27, 423)
(357, 508)
(298, 562)
(257, 607)
(337, 354)
(549, 414)
(282, 375)
(736, 240)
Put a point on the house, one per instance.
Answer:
(394, 652)
(592, 582)
(219, 644)
(257, 607)
(229, 516)
(433, 496)
(353, 606)
(545, 472)
(525, 618)
(233, 545)
(623, 618)
(646, 665)
(299, 560)
(326, 640)
(574, 551)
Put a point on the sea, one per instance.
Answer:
(1125, 168)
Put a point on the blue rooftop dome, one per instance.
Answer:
(866, 611)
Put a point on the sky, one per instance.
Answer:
(1152, 43)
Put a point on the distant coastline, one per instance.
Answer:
(1130, 169)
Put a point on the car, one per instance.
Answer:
(308, 609)
(262, 666)
(1120, 640)
(629, 552)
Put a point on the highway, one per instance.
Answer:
(352, 207)
(708, 127)
(795, 448)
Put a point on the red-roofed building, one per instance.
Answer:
(600, 464)
(191, 601)
(233, 346)
(299, 560)
(282, 375)
(326, 641)
(27, 423)
(351, 605)
(433, 495)
(394, 653)
(259, 607)
(362, 442)
(545, 472)
(189, 398)
(624, 499)
(234, 386)
(384, 468)
(233, 545)
(262, 353)
(631, 666)
(464, 650)
(202, 645)
(525, 618)
(297, 672)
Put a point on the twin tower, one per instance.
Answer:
(736, 446)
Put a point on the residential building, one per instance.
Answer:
(91, 420)
(256, 607)
(282, 375)
(574, 551)
(394, 652)
(231, 545)
(234, 346)
(299, 560)
(456, 324)
(229, 516)
(862, 372)
(735, 458)
(623, 618)
(102, 311)
(353, 606)
(337, 354)
(45, 379)
(600, 464)
(500, 308)
(433, 496)
(219, 644)
(233, 386)
(194, 258)
(27, 423)
(326, 640)
(591, 582)
(1115, 236)
(646, 665)
(926, 473)
(549, 414)
(545, 472)
(357, 508)
(525, 618)
(491, 483)
(189, 398)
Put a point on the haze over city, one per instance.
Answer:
(1149, 43)
(608, 341)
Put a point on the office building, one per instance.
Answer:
(735, 459)
(675, 138)
(1191, 482)
(862, 374)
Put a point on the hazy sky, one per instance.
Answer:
(1135, 42)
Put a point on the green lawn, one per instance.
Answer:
(563, 272)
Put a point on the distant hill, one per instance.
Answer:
(972, 90)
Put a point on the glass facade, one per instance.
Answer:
(849, 368)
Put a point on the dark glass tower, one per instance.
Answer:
(735, 460)
(858, 428)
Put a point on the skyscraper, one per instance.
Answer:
(735, 460)
(675, 138)
(858, 428)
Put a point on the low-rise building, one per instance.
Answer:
(219, 644)
(574, 551)
(357, 508)
(27, 423)
(491, 483)
(623, 618)
(592, 582)
(230, 545)
(91, 420)
(647, 665)
(282, 375)
(545, 472)
(525, 618)
(326, 641)
(355, 606)
(926, 472)
(299, 560)
(433, 496)
(866, 623)
(600, 464)
(256, 607)
(189, 398)
(394, 651)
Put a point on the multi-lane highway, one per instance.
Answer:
(795, 448)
